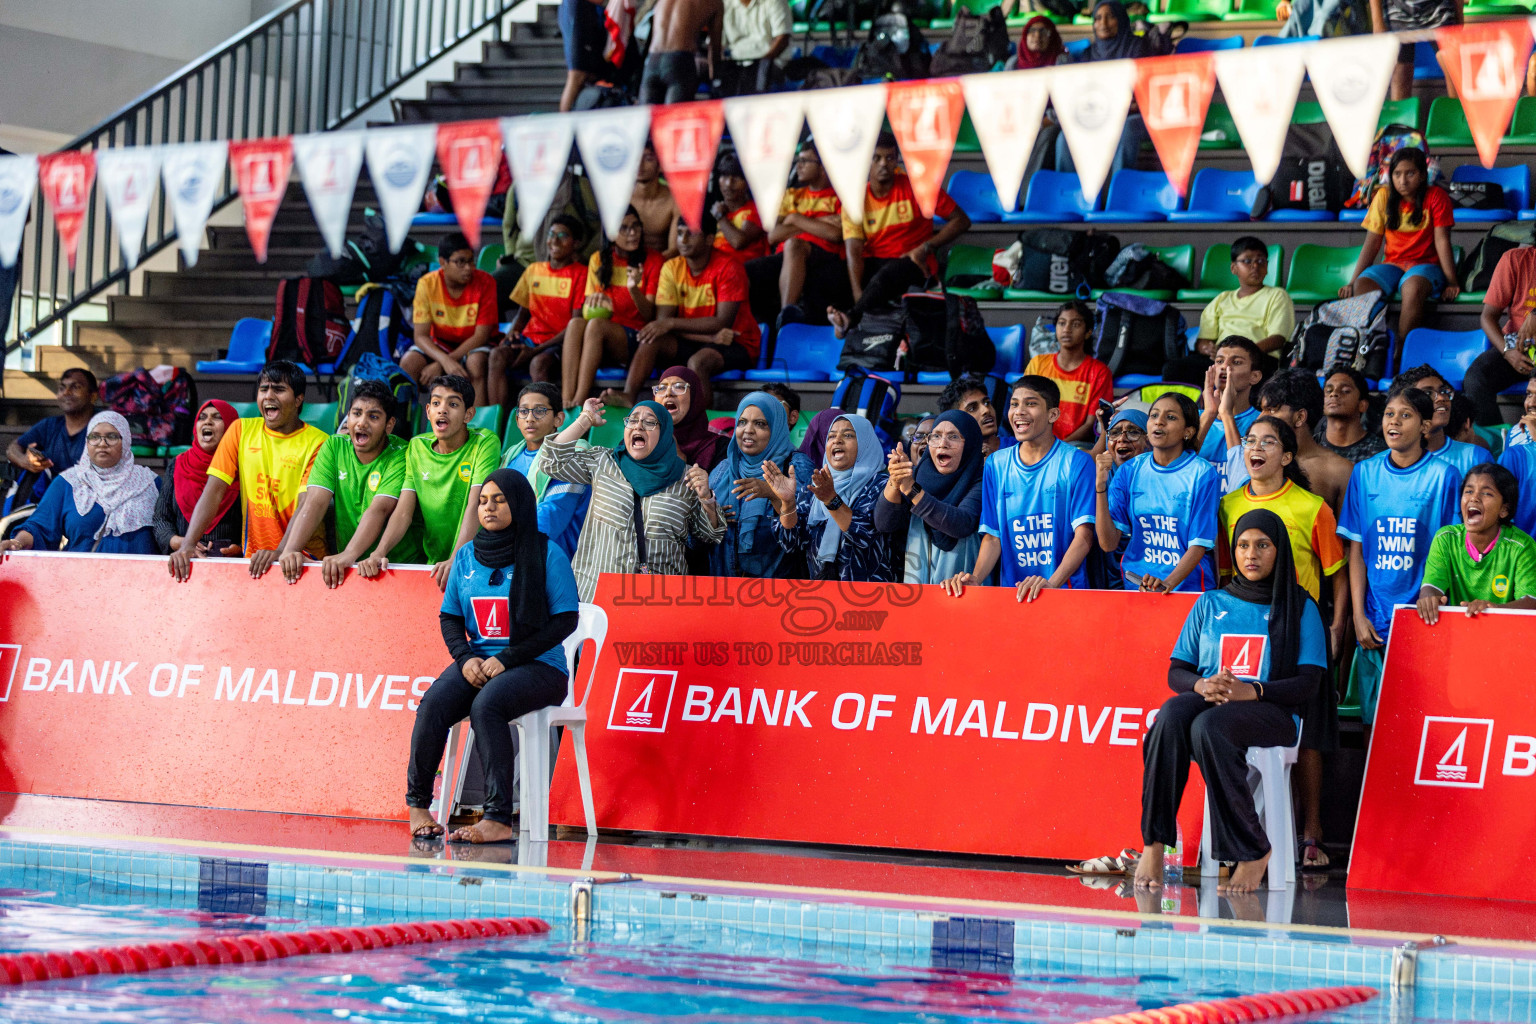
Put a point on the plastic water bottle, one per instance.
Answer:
(1173, 860)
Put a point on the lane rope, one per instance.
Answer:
(1247, 1009)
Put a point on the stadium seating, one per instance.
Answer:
(1009, 342)
(489, 256)
(247, 348)
(1449, 352)
(1319, 271)
(1216, 274)
(1137, 197)
(968, 261)
(1219, 131)
(1179, 257)
(1515, 180)
(1205, 44)
(1192, 11)
(802, 352)
(1216, 196)
(1251, 10)
(974, 192)
(1051, 198)
(487, 416)
(1447, 125)
(319, 414)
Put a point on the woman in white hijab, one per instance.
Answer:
(103, 503)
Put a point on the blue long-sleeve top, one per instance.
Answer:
(865, 553)
(55, 520)
(756, 552)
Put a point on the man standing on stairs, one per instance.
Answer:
(584, 34)
(671, 68)
(54, 444)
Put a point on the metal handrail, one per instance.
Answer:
(311, 66)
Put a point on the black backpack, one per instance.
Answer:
(1139, 268)
(876, 341)
(1476, 195)
(1477, 266)
(1312, 174)
(894, 49)
(366, 257)
(977, 43)
(945, 332)
(1063, 261)
(1137, 335)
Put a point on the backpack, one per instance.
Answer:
(1312, 174)
(945, 332)
(366, 258)
(1162, 39)
(310, 325)
(1042, 336)
(1062, 261)
(861, 393)
(1138, 267)
(157, 414)
(1060, 8)
(1137, 335)
(372, 366)
(1477, 266)
(876, 342)
(382, 325)
(977, 43)
(1352, 331)
(1389, 139)
(894, 49)
(1476, 195)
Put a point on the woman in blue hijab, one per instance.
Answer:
(936, 502)
(832, 522)
(762, 435)
(1113, 39)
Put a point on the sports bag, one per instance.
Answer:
(945, 332)
(1136, 334)
(873, 397)
(1042, 336)
(1063, 262)
(876, 342)
(1312, 174)
(1476, 195)
(158, 413)
(310, 325)
(1389, 139)
(1477, 266)
(977, 43)
(1141, 268)
(372, 366)
(1352, 331)
(895, 49)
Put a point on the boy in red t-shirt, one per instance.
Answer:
(741, 234)
(807, 244)
(548, 295)
(1511, 332)
(1082, 379)
(702, 317)
(454, 313)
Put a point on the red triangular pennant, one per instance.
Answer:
(686, 136)
(1173, 94)
(470, 152)
(261, 169)
(1486, 64)
(66, 182)
(925, 117)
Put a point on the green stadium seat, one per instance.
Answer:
(246, 410)
(488, 257)
(966, 141)
(1319, 271)
(1193, 11)
(1179, 257)
(487, 416)
(1409, 111)
(1220, 131)
(319, 414)
(1522, 130)
(1447, 124)
(1216, 273)
(970, 260)
(1252, 10)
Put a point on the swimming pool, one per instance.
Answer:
(651, 952)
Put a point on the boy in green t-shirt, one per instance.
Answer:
(1482, 560)
(443, 473)
(357, 475)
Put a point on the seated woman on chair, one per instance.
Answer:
(509, 605)
(1249, 658)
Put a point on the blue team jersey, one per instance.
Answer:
(1521, 461)
(1214, 448)
(1163, 510)
(1034, 510)
(1223, 631)
(1463, 456)
(1393, 513)
(562, 508)
(486, 609)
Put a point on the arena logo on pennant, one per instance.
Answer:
(1453, 752)
(492, 617)
(329, 163)
(66, 180)
(539, 149)
(686, 136)
(642, 700)
(261, 174)
(1242, 654)
(764, 130)
(925, 118)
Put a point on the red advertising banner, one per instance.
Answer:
(118, 683)
(261, 169)
(686, 136)
(66, 179)
(470, 152)
(876, 715)
(925, 118)
(1452, 768)
(1486, 64)
(1173, 94)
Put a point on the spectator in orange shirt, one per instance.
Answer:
(455, 316)
(549, 294)
(892, 249)
(741, 227)
(807, 244)
(1083, 380)
(620, 299)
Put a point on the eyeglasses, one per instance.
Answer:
(641, 422)
(1252, 261)
(103, 439)
(1443, 391)
(1130, 432)
(677, 387)
(533, 412)
(1263, 444)
(461, 263)
(920, 438)
(559, 234)
(946, 438)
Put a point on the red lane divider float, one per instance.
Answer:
(1247, 1009)
(252, 947)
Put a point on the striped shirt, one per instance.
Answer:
(671, 516)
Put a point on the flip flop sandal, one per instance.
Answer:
(428, 831)
(463, 835)
(1125, 862)
(1322, 861)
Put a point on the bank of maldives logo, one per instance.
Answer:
(1453, 752)
(642, 700)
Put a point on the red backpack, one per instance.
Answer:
(310, 325)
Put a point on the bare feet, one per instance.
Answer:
(423, 825)
(1248, 876)
(1245, 906)
(1149, 871)
(617, 399)
(483, 831)
(839, 321)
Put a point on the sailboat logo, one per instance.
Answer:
(1453, 752)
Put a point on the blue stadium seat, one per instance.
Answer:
(1204, 44)
(1009, 342)
(1425, 63)
(802, 352)
(1282, 40)
(1051, 198)
(1515, 180)
(1078, 47)
(448, 220)
(974, 192)
(1138, 197)
(1217, 195)
(247, 348)
(762, 357)
(1449, 352)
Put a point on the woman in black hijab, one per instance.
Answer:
(508, 607)
(1249, 658)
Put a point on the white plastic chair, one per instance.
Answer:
(533, 747)
(1269, 779)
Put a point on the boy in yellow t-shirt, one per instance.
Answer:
(1253, 310)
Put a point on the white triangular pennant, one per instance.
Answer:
(1091, 102)
(844, 125)
(1350, 77)
(328, 163)
(765, 130)
(1259, 85)
(399, 163)
(193, 172)
(539, 149)
(18, 181)
(128, 177)
(1006, 110)
(611, 143)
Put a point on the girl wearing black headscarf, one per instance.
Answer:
(508, 607)
(1249, 658)
(935, 504)
(1113, 39)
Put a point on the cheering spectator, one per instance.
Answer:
(789, 397)
(183, 482)
(702, 317)
(1124, 437)
(1229, 701)
(646, 502)
(549, 297)
(891, 250)
(584, 35)
(934, 501)
(1084, 381)
(829, 527)
(1485, 559)
(444, 469)
(1161, 504)
(1520, 460)
(103, 503)
(671, 67)
(620, 298)
(741, 235)
(562, 506)
(1231, 379)
(1395, 503)
(1428, 380)
(1346, 399)
(358, 475)
(1414, 219)
(915, 438)
(1510, 297)
(807, 244)
(678, 392)
(455, 317)
(1113, 39)
(1293, 395)
(1254, 310)
(1040, 46)
(969, 394)
(652, 199)
(55, 443)
(508, 607)
(750, 546)
(1525, 428)
(1037, 502)
(814, 445)
(269, 459)
(756, 46)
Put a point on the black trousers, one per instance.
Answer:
(749, 77)
(885, 282)
(1217, 738)
(490, 710)
(826, 284)
(1489, 374)
(669, 77)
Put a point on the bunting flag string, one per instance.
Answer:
(18, 180)
(686, 136)
(1174, 94)
(261, 169)
(539, 149)
(1007, 108)
(844, 125)
(191, 173)
(1486, 64)
(765, 130)
(925, 118)
(399, 163)
(612, 142)
(1092, 101)
(329, 163)
(1351, 77)
(128, 177)
(470, 152)
(1260, 87)
(66, 179)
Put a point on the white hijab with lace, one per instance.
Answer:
(126, 492)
